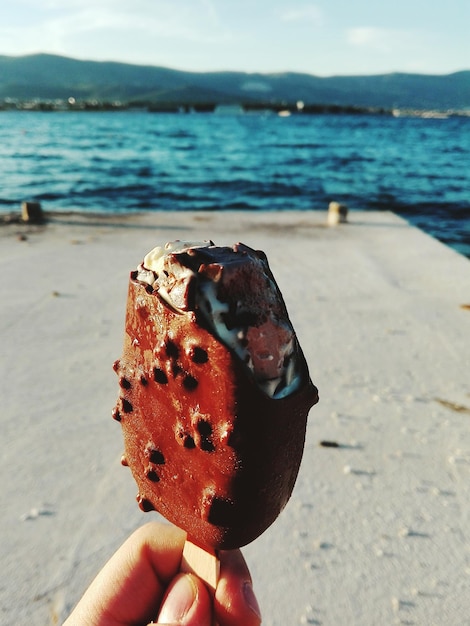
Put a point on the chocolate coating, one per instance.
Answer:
(207, 447)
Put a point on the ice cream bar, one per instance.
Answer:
(214, 391)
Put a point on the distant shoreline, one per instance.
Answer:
(252, 108)
(187, 107)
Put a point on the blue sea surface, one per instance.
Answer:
(115, 162)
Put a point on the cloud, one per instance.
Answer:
(160, 16)
(110, 27)
(380, 39)
(310, 13)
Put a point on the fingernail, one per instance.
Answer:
(179, 601)
(251, 600)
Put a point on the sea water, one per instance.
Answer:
(115, 162)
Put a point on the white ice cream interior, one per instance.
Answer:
(268, 350)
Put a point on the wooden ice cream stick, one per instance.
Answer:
(203, 563)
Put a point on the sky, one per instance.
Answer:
(323, 37)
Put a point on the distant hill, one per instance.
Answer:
(50, 77)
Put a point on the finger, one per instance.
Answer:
(235, 602)
(186, 603)
(130, 587)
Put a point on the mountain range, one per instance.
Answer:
(50, 77)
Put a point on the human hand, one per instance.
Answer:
(142, 582)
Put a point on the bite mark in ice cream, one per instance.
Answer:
(224, 290)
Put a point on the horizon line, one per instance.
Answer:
(232, 71)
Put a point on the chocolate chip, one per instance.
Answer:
(127, 406)
(190, 383)
(153, 476)
(116, 415)
(156, 457)
(220, 511)
(143, 381)
(184, 438)
(144, 504)
(176, 369)
(189, 442)
(124, 383)
(199, 355)
(159, 376)
(172, 350)
(204, 428)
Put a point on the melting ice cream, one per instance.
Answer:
(234, 293)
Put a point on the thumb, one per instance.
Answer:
(186, 603)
